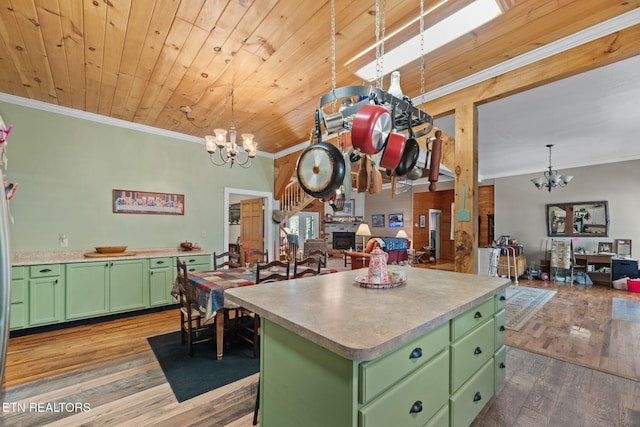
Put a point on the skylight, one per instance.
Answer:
(455, 25)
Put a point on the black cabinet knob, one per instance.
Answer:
(477, 351)
(416, 353)
(477, 397)
(478, 315)
(503, 298)
(416, 407)
(502, 328)
(502, 365)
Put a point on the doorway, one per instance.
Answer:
(434, 230)
(267, 228)
(305, 225)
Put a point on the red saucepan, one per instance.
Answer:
(370, 128)
(392, 153)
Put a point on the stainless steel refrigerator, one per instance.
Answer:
(5, 270)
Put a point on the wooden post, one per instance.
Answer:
(466, 174)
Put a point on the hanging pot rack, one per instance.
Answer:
(408, 116)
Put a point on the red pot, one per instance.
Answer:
(370, 129)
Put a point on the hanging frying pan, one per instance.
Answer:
(370, 128)
(410, 153)
(320, 168)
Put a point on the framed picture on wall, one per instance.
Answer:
(423, 221)
(377, 220)
(395, 220)
(349, 207)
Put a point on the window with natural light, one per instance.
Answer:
(455, 25)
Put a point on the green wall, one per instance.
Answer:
(67, 167)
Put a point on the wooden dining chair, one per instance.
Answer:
(323, 256)
(233, 260)
(307, 267)
(256, 256)
(249, 322)
(193, 329)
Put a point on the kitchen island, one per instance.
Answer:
(430, 352)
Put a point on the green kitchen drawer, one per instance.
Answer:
(501, 328)
(160, 262)
(501, 300)
(466, 403)
(500, 360)
(196, 259)
(379, 374)
(470, 353)
(17, 272)
(472, 319)
(45, 270)
(441, 418)
(412, 401)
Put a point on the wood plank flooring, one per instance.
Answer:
(110, 369)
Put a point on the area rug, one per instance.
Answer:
(625, 309)
(192, 376)
(523, 303)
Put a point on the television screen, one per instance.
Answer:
(395, 220)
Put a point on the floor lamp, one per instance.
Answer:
(363, 230)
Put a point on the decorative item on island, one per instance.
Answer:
(378, 276)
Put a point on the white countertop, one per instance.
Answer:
(60, 257)
(357, 323)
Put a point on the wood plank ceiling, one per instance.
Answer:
(140, 61)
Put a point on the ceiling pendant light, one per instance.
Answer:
(552, 178)
(228, 151)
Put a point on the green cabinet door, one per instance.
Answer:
(128, 285)
(46, 300)
(160, 286)
(87, 292)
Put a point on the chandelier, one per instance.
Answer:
(223, 151)
(551, 178)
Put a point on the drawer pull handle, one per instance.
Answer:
(502, 365)
(502, 328)
(477, 397)
(45, 270)
(56, 282)
(192, 270)
(416, 407)
(478, 315)
(192, 260)
(477, 351)
(159, 262)
(503, 298)
(416, 353)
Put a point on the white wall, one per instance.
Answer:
(520, 207)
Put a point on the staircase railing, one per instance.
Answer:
(293, 200)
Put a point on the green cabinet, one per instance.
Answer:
(104, 287)
(46, 294)
(441, 378)
(161, 277)
(128, 285)
(19, 309)
(197, 263)
(87, 289)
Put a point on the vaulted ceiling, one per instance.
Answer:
(140, 61)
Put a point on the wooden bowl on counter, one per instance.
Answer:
(110, 249)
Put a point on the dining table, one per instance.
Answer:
(207, 290)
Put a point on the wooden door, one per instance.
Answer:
(252, 224)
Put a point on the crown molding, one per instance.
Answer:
(98, 118)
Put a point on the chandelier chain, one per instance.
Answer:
(333, 50)
(380, 34)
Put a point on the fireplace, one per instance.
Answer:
(344, 240)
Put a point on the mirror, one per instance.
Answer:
(581, 219)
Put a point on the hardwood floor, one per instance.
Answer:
(109, 370)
